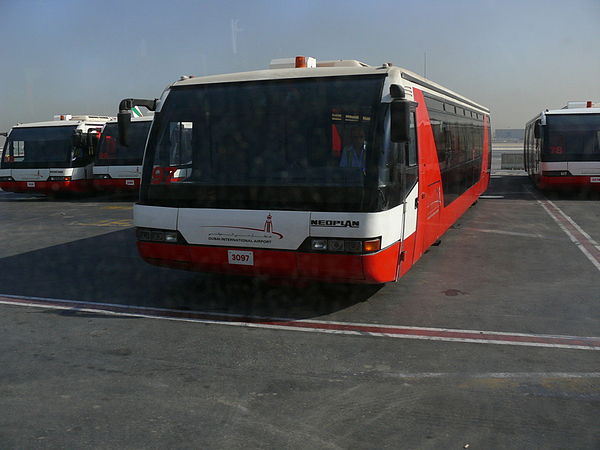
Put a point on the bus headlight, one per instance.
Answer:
(171, 236)
(353, 246)
(356, 246)
(318, 244)
(335, 245)
(154, 235)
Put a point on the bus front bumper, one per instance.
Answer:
(46, 187)
(379, 267)
(580, 182)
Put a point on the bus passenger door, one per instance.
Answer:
(430, 198)
(410, 192)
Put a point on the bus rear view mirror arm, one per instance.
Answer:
(124, 114)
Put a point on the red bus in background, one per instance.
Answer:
(335, 171)
(562, 147)
(118, 167)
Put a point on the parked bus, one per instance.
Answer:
(51, 157)
(118, 167)
(334, 171)
(562, 147)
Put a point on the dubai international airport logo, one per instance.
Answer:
(246, 235)
(268, 224)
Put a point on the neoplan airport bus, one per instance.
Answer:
(51, 157)
(118, 167)
(334, 171)
(562, 147)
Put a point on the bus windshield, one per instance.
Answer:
(39, 147)
(110, 152)
(572, 137)
(301, 133)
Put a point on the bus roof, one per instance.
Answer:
(148, 118)
(573, 111)
(64, 123)
(338, 68)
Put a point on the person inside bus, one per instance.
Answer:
(354, 154)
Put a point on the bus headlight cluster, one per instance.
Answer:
(152, 235)
(7, 179)
(345, 245)
(101, 176)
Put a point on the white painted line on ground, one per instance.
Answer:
(577, 227)
(509, 233)
(500, 375)
(577, 235)
(314, 326)
(491, 196)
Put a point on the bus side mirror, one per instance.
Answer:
(400, 126)
(537, 129)
(123, 119)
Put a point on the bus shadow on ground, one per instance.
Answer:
(578, 195)
(107, 269)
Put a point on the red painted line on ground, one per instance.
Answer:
(476, 335)
(585, 241)
(471, 336)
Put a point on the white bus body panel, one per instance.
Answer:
(244, 228)
(155, 217)
(119, 172)
(282, 230)
(30, 174)
(76, 173)
(410, 219)
(549, 166)
(387, 224)
(584, 167)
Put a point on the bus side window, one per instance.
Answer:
(411, 154)
(411, 171)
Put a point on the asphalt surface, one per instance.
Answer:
(84, 379)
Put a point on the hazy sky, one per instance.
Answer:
(77, 56)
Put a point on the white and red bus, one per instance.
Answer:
(51, 157)
(118, 167)
(562, 147)
(340, 172)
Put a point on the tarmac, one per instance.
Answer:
(490, 341)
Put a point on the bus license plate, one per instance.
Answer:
(594, 179)
(31, 184)
(129, 182)
(240, 257)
